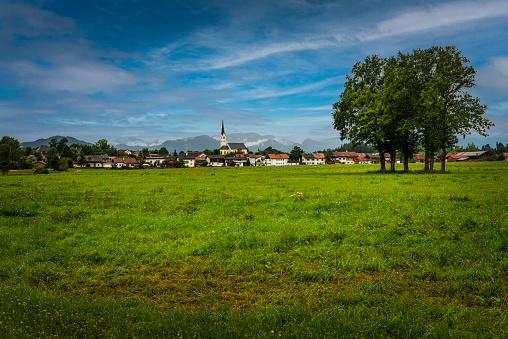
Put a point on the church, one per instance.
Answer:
(226, 148)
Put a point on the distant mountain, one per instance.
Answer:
(253, 141)
(40, 142)
(198, 143)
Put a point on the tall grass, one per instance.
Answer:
(223, 252)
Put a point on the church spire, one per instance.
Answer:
(223, 142)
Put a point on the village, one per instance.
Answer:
(238, 155)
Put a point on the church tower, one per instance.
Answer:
(223, 137)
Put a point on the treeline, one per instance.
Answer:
(410, 101)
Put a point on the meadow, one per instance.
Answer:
(296, 251)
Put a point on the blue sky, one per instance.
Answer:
(160, 70)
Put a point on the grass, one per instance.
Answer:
(297, 251)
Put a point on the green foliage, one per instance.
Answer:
(102, 147)
(10, 153)
(64, 164)
(31, 159)
(411, 100)
(295, 153)
(52, 159)
(41, 171)
(303, 251)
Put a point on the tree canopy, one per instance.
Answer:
(10, 153)
(410, 100)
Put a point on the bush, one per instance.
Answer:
(41, 171)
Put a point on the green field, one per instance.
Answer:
(296, 251)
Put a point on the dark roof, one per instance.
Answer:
(216, 157)
(43, 148)
(186, 157)
(222, 128)
(224, 147)
(236, 145)
(308, 156)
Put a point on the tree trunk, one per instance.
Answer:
(443, 160)
(426, 167)
(392, 160)
(431, 161)
(406, 162)
(382, 161)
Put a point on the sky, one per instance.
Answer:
(163, 70)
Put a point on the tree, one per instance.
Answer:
(10, 153)
(28, 151)
(63, 164)
(295, 153)
(358, 115)
(328, 155)
(82, 160)
(163, 150)
(448, 108)
(102, 147)
(52, 158)
(61, 144)
(410, 100)
(53, 143)
(31, 159)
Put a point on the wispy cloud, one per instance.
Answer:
(494, 76)
(265, 92)
(434, 17)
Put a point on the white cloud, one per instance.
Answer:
(263, 93)
(439, 16)
(77, 76)
(319, 108)
(494, 75)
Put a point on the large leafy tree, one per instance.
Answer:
(400, 100)
(358, 115)
(448, 108)
(410, 100)
(10, 153)
(52, 158)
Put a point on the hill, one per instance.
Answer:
(39, 142)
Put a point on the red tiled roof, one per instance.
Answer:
(346, 154)
(277, 156)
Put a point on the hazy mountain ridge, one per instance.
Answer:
(253, 141)
(39, 142)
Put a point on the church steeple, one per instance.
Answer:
(223, 136)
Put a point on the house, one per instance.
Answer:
(237, 160)
(480, 155)
(200, 161)
(95, 161)
(455, 157)
(216, 160)
(39, 164)
(420, 158)
(256, 159)
(320, 158)
(188, 160)
(156, 159)
(361, 158)
(276, 159)
(345, 157)
(42, 148)
(226, 148)
(468, 156)
(505, 156)
(124, 151)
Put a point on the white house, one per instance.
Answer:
(276, 159)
